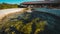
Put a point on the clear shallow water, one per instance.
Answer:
(53, 23)
(52, 11)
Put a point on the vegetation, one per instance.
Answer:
(19, 26)
(5, 6)
(23, 25)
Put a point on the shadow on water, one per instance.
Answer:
(53, 22)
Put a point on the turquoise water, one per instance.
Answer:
(52, 11)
